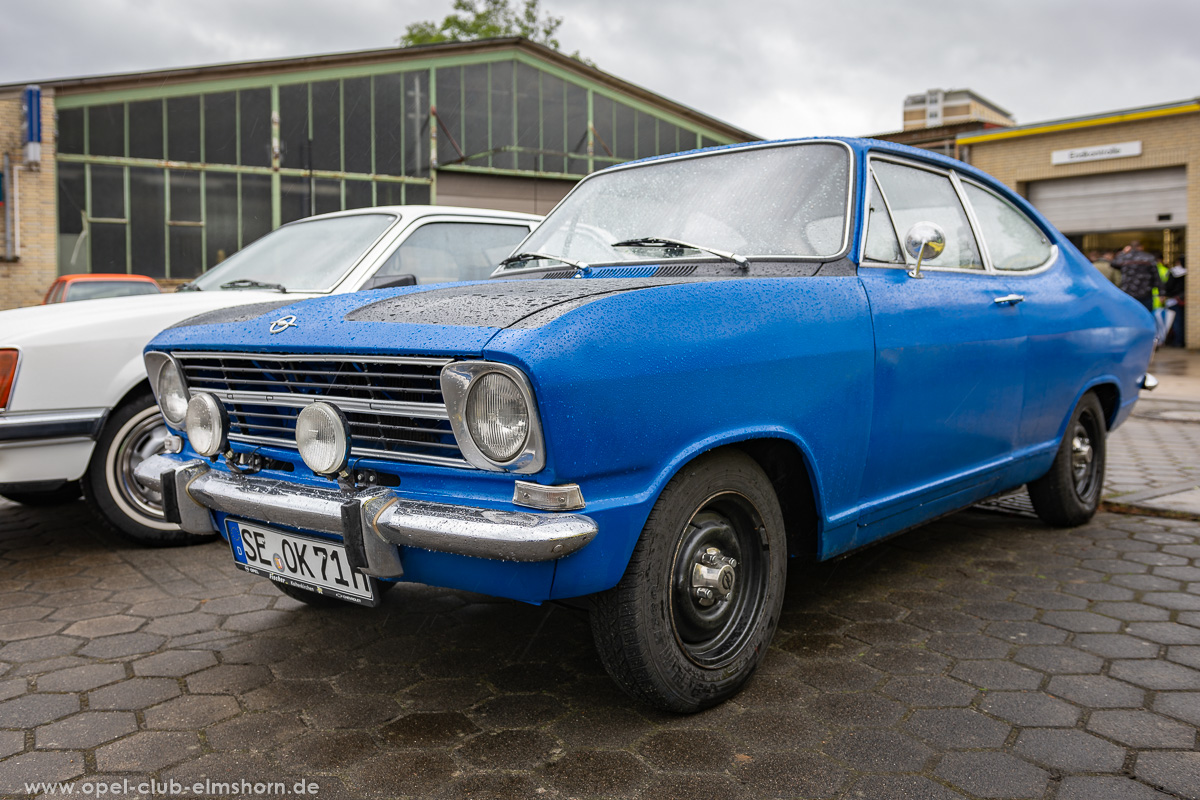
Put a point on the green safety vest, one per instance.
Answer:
(1164, 275)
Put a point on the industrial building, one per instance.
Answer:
(165, 173)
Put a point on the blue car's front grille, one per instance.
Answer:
(394, 405)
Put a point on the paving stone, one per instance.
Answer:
(253, 731)
(1174, 772)
(1023, 633)
(793, 774)
(1096, 691)
(12, 688)
(873, 750)
(40, 649)
(597, 772)
(992, 775)
(125, 644)
(967, 645)
(363, 711)
(906, 660)
(85, 730)
(1069, 751)
(104, 626)
(163, 607)
(1030, 709)
(36, 709)
(190, 712)
(995, 674)
(856, 708)
(420, 773)
(228, 679)
(942, 620)
(36, 767)
(1058, 660)
(1156, 674)
(1186, 655)
(134, 694)
(1181, 705)
(174, 663)
(322, 751)
(28, 629)
(81, 679)
(930, 690)
(183, 624)
(1116, 645)
(147, 751)
(1142, 729)
(1132, 612)
(876, 787)
(957, 728)
(838, 676)
(1099, 788)
(1165, 632)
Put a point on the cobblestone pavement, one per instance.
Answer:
(983, 656)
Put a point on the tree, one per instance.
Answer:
(486, 19)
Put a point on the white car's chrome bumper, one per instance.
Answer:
(39, 450)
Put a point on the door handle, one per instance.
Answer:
(1009, 299)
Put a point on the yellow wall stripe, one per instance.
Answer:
(1082, 123)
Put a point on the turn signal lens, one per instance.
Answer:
(497, 416)
(322, 438)
(8, 371)
(207, 425)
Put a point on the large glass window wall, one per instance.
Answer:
(169, 187)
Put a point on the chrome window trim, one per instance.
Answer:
(1045, 265)
(457, 379)
(947, 173)
(862, 247)
(842, 252)
(973, 221)
(12, 387)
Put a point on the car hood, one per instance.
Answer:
(138, 315)
(438, 319)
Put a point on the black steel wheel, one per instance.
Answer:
(694, 614)
(1069, 494)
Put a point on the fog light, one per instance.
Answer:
(323, 438)
(207, 425)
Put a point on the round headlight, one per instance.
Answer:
(172, 397)
(497, 416)
(322, 436)
(207, 425)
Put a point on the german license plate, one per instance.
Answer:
(314, 564)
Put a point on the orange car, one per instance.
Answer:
(95, 285)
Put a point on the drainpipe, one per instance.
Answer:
(12, 236)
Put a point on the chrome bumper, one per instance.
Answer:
(371, 522)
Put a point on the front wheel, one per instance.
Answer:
(1069, 494)
(133, 432)
(694, 614)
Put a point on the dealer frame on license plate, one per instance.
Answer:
(305, 562)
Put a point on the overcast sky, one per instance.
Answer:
(774, 68)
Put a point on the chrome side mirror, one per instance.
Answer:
(924, 240)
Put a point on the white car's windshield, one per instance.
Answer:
(759, 202)
(308, 256)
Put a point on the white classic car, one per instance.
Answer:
(76, 410)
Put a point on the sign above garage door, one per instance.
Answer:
(1097, 153)
(1115, 201)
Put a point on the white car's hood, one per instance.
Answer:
(88, 354)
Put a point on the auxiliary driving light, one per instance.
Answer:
(323, 438)
(207, 425)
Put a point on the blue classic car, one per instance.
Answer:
(698, 368)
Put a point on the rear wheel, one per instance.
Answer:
(133, 432)
(694, 614)
(1069, 494)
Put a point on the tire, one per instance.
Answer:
(1069, 494)
(131, 433)
(659, 637)
(66, 493)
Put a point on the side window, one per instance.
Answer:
(1013, 241)
(881, 236)
(916, 195)
(453, 251)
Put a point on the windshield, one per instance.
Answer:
(309, 256)
(766, 202)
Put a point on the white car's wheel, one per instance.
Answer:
(133, 432)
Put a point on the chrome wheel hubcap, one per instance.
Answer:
(713, 577)
(146, 439)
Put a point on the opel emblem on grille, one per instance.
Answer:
(283, 323)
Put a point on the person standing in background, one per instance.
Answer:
(1174, 292)
(1139, 273)
(1103, 262)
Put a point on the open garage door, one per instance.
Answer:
(1151, 198)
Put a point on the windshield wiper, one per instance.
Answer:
(580, 266)
(189, 287)
(250, 283)
(658, 241)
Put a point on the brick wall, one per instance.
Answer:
(1166, 142)
(23, 282)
